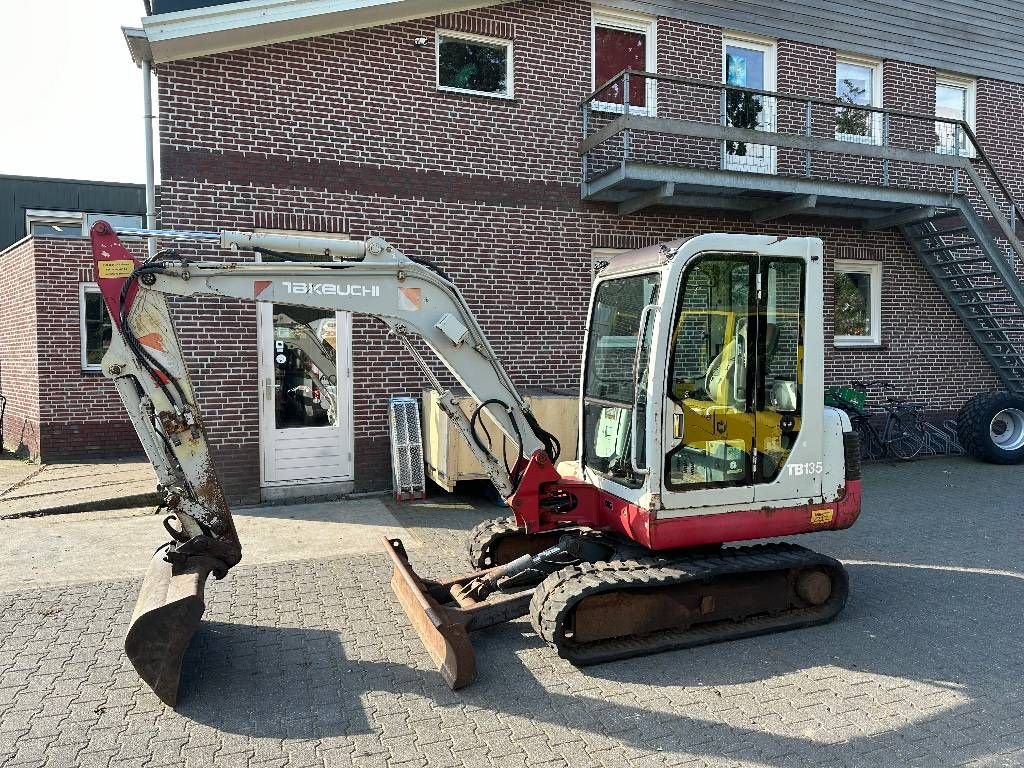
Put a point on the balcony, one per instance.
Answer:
(696, 144)
(659, 140)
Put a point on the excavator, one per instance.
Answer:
(702, 423)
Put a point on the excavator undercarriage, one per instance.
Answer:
(702, 423)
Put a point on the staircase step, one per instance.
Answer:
(941, 232)
(979, 288)
(950, 247)
(962, 275)
(968, 260)
(987, 303)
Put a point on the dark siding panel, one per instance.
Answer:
(974, 37)
(18, 193)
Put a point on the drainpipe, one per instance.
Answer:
(147, 99)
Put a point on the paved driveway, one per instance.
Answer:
(310, 662)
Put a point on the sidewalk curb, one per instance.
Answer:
(100, 505)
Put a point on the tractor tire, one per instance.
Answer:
(991, 427)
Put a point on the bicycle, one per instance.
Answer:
(902, 437)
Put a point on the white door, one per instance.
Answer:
(749, 64)
(305, 394)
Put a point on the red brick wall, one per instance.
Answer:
(350, 127)
(19, 379)
(81, 413)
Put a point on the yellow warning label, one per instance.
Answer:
(116, 268)
(821, 516)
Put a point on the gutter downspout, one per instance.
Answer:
(147, 99)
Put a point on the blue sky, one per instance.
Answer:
(71, 96)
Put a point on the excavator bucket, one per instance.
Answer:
(443, 617)
(167, 614)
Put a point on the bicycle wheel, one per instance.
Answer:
(905, 438)
(870, 448)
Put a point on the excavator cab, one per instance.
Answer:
(703, 382)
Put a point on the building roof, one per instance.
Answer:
(225, 26)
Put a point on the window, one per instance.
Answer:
(858, 82)
(955, 100)
(53, 224)
(621, 41)
(74, 224)
(94, 325)
(616, 375)
(474, 64)
(858, 303)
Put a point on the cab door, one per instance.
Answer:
(734, 399)
(710, 387)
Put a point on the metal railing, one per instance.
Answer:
(785, 134)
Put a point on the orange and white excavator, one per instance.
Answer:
(702, 423)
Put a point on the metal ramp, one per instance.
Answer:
(974, 269)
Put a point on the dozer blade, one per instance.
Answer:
(167, 614)
(442, 630)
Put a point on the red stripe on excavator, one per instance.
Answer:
(601, 510)
(112, 263)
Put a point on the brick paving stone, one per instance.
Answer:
(311, 663)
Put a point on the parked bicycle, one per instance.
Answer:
(903, 434)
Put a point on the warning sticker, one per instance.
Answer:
(409, 299)
(116, 268)
(821, 516)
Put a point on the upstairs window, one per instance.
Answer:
(858, 83)
(472, 64)
(623, 41)
(954, 100)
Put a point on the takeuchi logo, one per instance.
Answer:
(331, 289)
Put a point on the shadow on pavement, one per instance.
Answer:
(296, 683)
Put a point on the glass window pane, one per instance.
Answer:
(744, 67)
(609, 376)
(56, 229)
(778, 425)
(97, 328)
(854, 85)
(472, 66)
(305, 367)
(951, 103)
(853, 304)
(614, 51)
(711, 350)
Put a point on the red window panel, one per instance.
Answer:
(614, 51)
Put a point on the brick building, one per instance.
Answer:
(455, 132)
(58, 404)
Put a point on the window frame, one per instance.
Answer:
(85, 289)
(875, 65)
(874, 270)
(624, 21)
(970, 85)
(483, 39)
(34, 216)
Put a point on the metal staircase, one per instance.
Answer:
(975, 270)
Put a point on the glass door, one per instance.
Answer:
(712, 362)
(749, 65)
(735, 383)
(305, 400)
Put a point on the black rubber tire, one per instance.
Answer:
(974, 422)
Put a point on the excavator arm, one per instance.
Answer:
(415, 300)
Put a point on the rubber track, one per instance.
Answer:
(557, 596)
(484, 535)
(487, 534)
